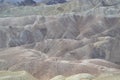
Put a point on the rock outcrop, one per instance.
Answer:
(95, 34)
(79, 36)
(40, 65)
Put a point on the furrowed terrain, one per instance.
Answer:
(77, 40)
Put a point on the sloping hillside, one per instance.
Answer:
(80, 36)
(21, 75)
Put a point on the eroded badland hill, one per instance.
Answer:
(76, 40)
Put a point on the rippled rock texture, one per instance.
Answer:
(76, 37)
(73, 36)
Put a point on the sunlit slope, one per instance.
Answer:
(85, 76)
(21, 75)
(108, 77)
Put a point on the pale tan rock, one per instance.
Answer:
(80, 36)
(20, 75)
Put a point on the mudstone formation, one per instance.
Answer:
(76, 40)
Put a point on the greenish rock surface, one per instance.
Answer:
(108, 77)
(85, 76)
(59, 77)
(20, 75)
(80, 77)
